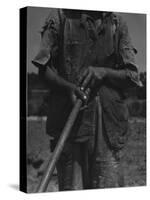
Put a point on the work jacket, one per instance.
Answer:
(69, 44)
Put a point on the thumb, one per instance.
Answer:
(80, 94)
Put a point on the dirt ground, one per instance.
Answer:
(38, 153)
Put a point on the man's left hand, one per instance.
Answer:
(92, 76)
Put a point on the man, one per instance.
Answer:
(91, 49)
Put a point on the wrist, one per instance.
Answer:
(110, 73)
(106, 73)
(71, 87)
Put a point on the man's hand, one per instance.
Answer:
(58, 83)
(77, 93)
(92, 77)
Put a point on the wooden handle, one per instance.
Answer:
(59, 147)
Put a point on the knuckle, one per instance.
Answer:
(89, 69)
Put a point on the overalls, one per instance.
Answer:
(92, 155)
(88, 160)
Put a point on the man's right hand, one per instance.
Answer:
(77, 93)
(61, 84)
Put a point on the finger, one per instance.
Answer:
(82, 95)
(87, 80)
(82, 77)
(87, 92)
(92, 83)
(73, 99)
(83, 108)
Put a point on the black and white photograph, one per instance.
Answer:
(85, 88)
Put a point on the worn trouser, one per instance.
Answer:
(80, 167)
(92, 163)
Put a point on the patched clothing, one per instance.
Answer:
(69, 45)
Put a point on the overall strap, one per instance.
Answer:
(116, 39)
(62, 21)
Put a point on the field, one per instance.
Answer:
(38, 154)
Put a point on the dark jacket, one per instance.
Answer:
(69, 45)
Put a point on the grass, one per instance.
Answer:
(38, 153)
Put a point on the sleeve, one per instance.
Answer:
(127, 54)
(49, 43)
